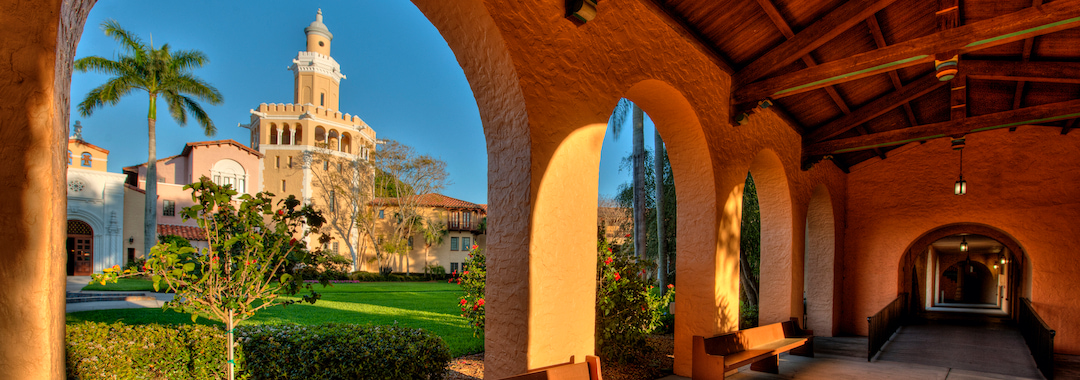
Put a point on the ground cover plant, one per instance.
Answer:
(432, 306)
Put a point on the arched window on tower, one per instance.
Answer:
(273, 134)
(299, 135)
(322, 99)
(320, 136)
(346, 142)
(86, 159)
(286, 135)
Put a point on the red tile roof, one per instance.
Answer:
(186, 232)
(71, 140)
(187, 148)
(434, 200)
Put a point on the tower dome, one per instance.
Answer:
(318, 27)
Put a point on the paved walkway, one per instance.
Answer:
(943, 346)
(76, 283)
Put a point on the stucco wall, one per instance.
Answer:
(1023, 183)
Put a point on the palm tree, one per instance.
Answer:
(158, 71)
(618, 117)
(434, 233)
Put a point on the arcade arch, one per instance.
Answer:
(821, 293)
(778, 296)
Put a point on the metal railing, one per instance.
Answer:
(1039, 337)
(884, 324)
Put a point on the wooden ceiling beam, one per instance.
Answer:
(1026, 23)
(690, 33)
(972, 124)
(876, 108)
(1029, 44)
(879, 40)
(1046, 72)
(825, 29)
(1069, 125)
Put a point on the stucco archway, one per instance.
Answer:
(777, 296)
(821, 293)
(1018, 261)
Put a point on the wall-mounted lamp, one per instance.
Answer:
(131, 240)
(581, 10)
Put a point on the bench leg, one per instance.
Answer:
(770, 364)
(806, 350)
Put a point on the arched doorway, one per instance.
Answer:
(989, 272)
(80, 248)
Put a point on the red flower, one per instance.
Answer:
(670, 286)
(608, 261)
(282, 212)
(464, 302)
(459, 282)
(627, 235)
(462, 309)
(474, 307)
(480, 302)
(609, 249)
(449, 281)
(617, 277)
(466, 273)
(292, 242)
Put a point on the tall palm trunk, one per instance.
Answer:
(640, 234)
(150, 216)
(658, 183)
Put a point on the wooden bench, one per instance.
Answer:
(589, 370)
(722, 355)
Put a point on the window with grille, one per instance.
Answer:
(453, 244)
(168, 208)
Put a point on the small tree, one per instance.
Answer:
(402, 178)
(235, 276)
(435, 232)
(472, 280)
(345, 184)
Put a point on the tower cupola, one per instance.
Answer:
(318, 36)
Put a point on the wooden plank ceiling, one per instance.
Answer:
(857, 77)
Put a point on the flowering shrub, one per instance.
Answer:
(472, 279)
(627, 304)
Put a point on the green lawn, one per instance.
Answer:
(428, 305)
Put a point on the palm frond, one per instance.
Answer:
(618, 116)
(177, 107)
(129, 41)
(100, 65)
(200, 115)
(185, 60)
(106, 94)
(185, 83)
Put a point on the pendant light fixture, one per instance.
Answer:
(963, 245)
(960, 188)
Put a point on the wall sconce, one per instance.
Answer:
(131, 240)
(581, 10)
(963, 245)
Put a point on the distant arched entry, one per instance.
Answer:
(80, 248)
(924, 268)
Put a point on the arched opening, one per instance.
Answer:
(820, 290)
(286, 135)
(988, 272)
(273, 134)
(299, 139)
(80, 248)
(333, 142)
(346, 143)
(320, 135)
(749, 255)
(230, 172)
(778, 298)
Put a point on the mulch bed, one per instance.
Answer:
(471, 367)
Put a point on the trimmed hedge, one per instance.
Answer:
(328, 351)
(342, 351)
(118, 351)
(394, 277)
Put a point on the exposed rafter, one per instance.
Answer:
(691, 34)
(1047, 72)
(1029, 44)
(1069, 125)
(879, 40)
(876, 108)
(1024, 116)
(826, 28)
(1046, 18)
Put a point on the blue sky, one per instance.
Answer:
(402, 79)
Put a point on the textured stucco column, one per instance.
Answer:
(35, 65)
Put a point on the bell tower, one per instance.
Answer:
(318, 75)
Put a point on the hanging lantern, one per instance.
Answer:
(963, 245)
(960, 188)
(946, 70)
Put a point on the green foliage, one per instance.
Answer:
(472, 279)
(341, 351)
(124, 285)
(174, 240)
(111, 351)
(625, 198)
(627, 305)
(249, 246)
(750, 255)
(326, 351)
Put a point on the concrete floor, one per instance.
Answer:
(943, 346)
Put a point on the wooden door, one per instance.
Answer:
(83, 250)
